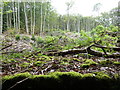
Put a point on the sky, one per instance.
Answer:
(84, 7)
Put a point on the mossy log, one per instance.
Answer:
(61, 80)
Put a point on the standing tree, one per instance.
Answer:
(18, 16)
(26, 19)
(69, 6)
(41, 26)
(97, 7)
(1, 16)
(33, 31)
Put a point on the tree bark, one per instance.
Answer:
(26, 20)
(1, 17)
(88, 50)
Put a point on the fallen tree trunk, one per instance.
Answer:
(100, 54)
(112, 48)
(89, 51)
(66, 52)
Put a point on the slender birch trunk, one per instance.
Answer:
(1, 17)
(14, 14)
(34, 19)
(10, 15)
(78, 26)
(7, 20)
(44, 23)
(26, 20)
(31, 18)
(19, 16)
(41, 17)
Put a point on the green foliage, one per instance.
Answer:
(26, 38)
(85, 38)
(39, 40)
(105, 35)
(51, 39)
(33, 38)
(17, 37)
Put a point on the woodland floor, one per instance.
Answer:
(42, 64)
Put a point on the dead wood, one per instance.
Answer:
(6, 47)
(89, 51)
(100, 54)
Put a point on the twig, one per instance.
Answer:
(11, 52)
(18, 83)
(6, 47)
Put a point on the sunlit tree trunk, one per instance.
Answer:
(18, 16)
(44, 23)
(41, 18)
(1, 17)
(26, 20)
(78, 26)
(16, 10)
(69, 5)
(34, 19)
(31, 19)
(10, 17)
(7, 20)
(14, 14)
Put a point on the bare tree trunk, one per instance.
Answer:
(26, 20)
(31, 19)
(14, 14)
(41, 18)
(1, 17)
(18, 16)
(34, 19)
(7, 21)
(68, 17)
(44, 21)
(78, 26)
(10, 15)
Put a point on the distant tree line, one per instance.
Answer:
(38, 17)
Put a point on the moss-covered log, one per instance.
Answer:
(61, 80)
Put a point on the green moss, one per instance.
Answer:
(88, 75)
(72, 74)
(38, 63)
(75, 59)
(116, 63)
(90, 62)
(62, 80)
(65, 59)
(25, 64)
(105, 62)
(26, 74)
(101, 75)
(46, 58)
(85, 65)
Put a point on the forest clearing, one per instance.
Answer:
(41, 49)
